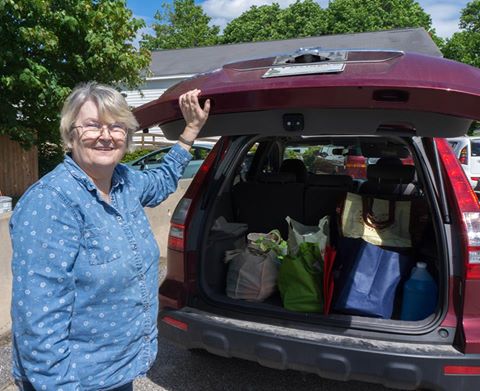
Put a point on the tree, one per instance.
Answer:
(306, 18)
(301, 19)
(353, 16)
(49, 46)
(181, 25)
(464, 46)
(255, 24)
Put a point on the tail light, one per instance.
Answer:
(180, 280)
(467, 210)
(463, 156)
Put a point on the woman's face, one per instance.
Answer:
(97, 152)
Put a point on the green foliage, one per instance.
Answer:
(470, 18)
(256, 24)
(267, 22)
(49, 46)
(49, 156)
(464, 46)
(309, 157)
(306, 18)
(181, 25)
(353, 16)
(135, 155)
(302, 19)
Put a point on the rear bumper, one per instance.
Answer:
(393, 364)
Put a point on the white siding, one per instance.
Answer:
(151, 90)
(134, 98)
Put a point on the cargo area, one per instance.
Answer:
(332, 181)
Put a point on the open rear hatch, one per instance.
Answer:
(331, 90)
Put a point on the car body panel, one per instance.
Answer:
(410, 83)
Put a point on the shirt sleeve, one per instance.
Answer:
(45, 233)
(160, 182)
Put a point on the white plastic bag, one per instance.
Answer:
(299, 233)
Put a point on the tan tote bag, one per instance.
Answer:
(377, 221)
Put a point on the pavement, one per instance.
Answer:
(176, 369)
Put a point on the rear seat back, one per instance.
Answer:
(389, 177)
(264, 203)
(322, 194)
(297, 167)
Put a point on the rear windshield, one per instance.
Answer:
(325, 158)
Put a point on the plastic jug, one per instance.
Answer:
(420, 294)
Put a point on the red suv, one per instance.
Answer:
(388, 105)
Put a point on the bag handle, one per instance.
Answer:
(369, 217)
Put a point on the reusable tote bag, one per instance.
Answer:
(252, 271)
(377, 221)
(251, 276)
(367, 278)
(300, 279)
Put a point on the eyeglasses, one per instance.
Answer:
(95, 130)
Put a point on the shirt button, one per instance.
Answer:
(145, 338)
(134, 246)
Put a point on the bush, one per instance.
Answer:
(49, 156)
(135, 155)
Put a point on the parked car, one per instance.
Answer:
(383, 104)
(153, 159)
(467, 151)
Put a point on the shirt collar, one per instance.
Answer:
(79, 174)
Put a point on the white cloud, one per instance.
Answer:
(445, 15)
(445, 18)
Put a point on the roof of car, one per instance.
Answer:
(200, 59)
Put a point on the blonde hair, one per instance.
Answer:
(110, 103)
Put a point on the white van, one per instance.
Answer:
(467, 150)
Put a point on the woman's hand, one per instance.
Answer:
(195, 116)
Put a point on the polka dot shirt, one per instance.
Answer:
(85, 277)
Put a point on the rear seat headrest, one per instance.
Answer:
(343, 181)
(391, 173)
(283, 177)
(295, 166)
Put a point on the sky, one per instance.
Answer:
(445, 14)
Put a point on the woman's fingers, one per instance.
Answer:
(194, 115)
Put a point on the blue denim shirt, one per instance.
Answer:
(85, 289)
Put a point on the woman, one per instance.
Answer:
(85, 262)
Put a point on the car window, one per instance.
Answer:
(155, 158)
(200, 153)
(475, 144)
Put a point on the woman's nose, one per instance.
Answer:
(105, 133)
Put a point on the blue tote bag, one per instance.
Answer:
(367, 278)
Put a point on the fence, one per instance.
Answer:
(18, 168)
(157, 140)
